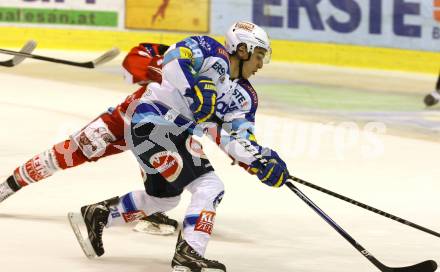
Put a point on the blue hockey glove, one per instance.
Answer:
(274, 173)
(204, 97)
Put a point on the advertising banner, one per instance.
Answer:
(405, 24)
(85, 13)
(177, 15)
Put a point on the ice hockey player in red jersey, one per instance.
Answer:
(100, 138)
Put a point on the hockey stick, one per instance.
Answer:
(107, 56)
(27, 48)
(437, 85)
(426, 266)
(365, 206)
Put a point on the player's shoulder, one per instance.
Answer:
(247, 87)
(212, 47)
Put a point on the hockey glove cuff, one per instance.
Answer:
(275, 172)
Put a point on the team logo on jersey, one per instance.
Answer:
(195, 148)
(168, 164)
(205, 222)
(203, 43)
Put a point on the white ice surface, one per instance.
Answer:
(257, 228)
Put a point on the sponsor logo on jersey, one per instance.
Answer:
(195, 148)
(219, 68)
(248, 87)
(133, 216)
(239, 98)
(221, 51)
(205, 222)
(168, 164)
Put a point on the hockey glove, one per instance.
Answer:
(204, 95)
(275, 172)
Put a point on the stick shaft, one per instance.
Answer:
(365, 206)
(88, 64)
(339, 229)
(49, 59)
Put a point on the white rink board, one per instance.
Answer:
(257, 229)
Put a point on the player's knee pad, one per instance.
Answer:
(207, 192)
(94, 139)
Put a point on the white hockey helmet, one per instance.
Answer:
(251, 35)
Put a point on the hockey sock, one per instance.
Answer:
(60, 156)
(138, 204)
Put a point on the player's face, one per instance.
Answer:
(255, 63)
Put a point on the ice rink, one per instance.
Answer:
(257, 228)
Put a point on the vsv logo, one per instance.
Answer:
(354, 13)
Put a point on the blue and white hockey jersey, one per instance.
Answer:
(237, 101)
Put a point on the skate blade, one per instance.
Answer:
(179, 268)
(154, 229)
(75, 220)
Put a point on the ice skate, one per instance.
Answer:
(94, 217)
(157, 224)
(186, 259)
(8, 188)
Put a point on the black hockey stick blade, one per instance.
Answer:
(27, 48)
(426, 266)
(107, 56)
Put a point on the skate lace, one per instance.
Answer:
(163, 217)
(201, 257)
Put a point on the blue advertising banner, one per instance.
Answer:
(405, 24)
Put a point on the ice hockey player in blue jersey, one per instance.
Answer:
(202, 81)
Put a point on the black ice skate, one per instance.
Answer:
(186, 259)
(94, 217)
(8, 188)
(157, 224)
